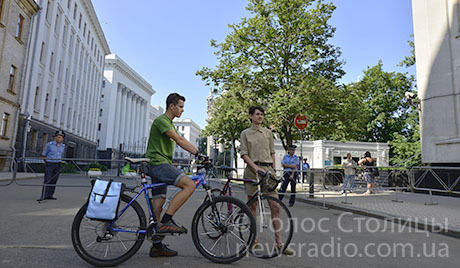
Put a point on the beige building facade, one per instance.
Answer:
(15, 21)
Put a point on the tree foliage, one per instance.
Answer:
(280, 58)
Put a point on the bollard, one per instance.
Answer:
(431, 200)
(397, 200)
(312, 185)
(346, 199)
(324, 203)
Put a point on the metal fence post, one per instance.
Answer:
(312, 185)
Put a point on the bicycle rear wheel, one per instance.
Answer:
(269, 226)
(223, 230)
(98, 244)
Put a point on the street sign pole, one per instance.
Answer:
(301, 123)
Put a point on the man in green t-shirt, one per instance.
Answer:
(160, 149)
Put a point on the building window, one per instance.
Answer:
(75, 11)
(42, 50)
(51, 62)
(56, 24)
(36, 103)
(84, 30)
(55, 110)
(1, 8)
(47, 12)
(33, 141)
(44, 141)
(79, 22)
(100, 112)
(19, 27)
(64, 35)
(47, 105)
(183, 128)
(12, 81)
(4, 127)
(68, 4)
(99, 127)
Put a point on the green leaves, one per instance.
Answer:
(279, 58)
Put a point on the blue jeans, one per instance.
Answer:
(349, 179)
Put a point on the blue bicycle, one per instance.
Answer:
(223, 227)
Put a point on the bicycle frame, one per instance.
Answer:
(199, 180)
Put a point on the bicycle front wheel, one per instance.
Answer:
(224, 229)
(274, 229)
(109, 243)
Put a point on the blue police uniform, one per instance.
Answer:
(289, 160)
(53, 154)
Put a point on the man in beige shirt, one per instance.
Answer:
(258, 151)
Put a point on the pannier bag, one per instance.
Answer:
(104, 199)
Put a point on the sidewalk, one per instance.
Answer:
(435, 213)
(8, 176)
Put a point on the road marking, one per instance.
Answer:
(37, 246)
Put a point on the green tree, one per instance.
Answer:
(406, 149)
(228, 118)
(386, 110)
(280, 58)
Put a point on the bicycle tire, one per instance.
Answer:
(239, 218)
(89, 244)
(266, 240)
(216, 192)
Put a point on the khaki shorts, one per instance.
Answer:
(249, 188)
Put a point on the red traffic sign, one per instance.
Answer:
(301, 121)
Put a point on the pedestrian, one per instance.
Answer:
(305, 167)
(290, 164)
(258, 152)
(160, 148)
(367, 163)
(349, 167)
(52, 156)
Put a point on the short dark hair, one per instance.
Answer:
(367, 154)
(173, 99)
(253, 109)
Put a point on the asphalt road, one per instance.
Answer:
(38, 235)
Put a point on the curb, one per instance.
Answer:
(433, 228)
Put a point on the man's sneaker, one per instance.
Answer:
(286, 251)
(162, 251)
(170, 227)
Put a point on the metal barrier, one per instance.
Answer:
(7, 170)
(311, 181)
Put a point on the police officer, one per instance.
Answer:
(290, 164)
(52, 155)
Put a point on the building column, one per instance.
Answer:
(122, 118)
(116, 129)
(143, 123)
(133, 119)
(128, 117)
(137, 124)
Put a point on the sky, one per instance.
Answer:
(167, 41)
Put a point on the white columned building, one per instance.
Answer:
(155, 111)
(437, 50)
(188, 129)
(63, 78)
(124, 113)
